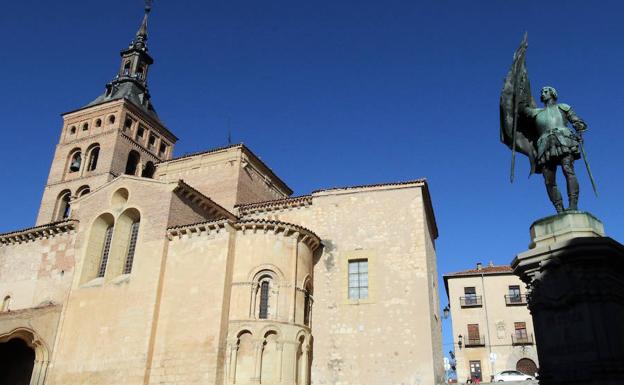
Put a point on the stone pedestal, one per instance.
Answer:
(575, 277)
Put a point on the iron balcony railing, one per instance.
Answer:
(522, 339)
(518, 299)
(471, 301)
(475, 341)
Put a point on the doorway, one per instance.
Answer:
(16, 362)
(526, 366)
(475, 371)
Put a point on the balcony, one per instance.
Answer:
(516, 300)
(474, 342)
(471, 301)
(522, 339)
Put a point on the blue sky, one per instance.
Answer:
(333, 93)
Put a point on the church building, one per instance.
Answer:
(147, 268)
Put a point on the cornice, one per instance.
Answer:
(48, 230)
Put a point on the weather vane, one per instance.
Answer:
(148, 5)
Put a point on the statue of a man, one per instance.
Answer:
(542, 134)
(556, 145)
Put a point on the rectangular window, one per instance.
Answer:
(471, 295)
(105, 251)
(358, 279)
(473, 332)
(163, 149)
(140, 132)
(514, 293)
(152, 141)
(520, 330)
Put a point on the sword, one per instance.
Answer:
(591, 176)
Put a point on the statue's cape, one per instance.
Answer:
(515, 127)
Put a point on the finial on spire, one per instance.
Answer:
(148, 5)
(141, 35)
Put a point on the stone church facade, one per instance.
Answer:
(144, 268)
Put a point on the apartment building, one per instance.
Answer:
(492, 326)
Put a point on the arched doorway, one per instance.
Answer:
(18, 360)
(526, 366)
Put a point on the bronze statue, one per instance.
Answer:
(542, 134)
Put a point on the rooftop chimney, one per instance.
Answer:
(479, 266)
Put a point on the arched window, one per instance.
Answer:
(98, 123)
(63, 208)
(263, 310)
(111, 119)
(307, 304)
(83, 190)
(133, 162)
(134, 233)
(75, 161)
(85, 127)
(98, 248)
(126, 70)
(93, 156)
(6, 303)
(148, 171)
(72, 130)
(108, 236)
(140, 72)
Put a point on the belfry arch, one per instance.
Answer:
(26, 356)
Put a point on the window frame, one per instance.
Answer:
(355, 282)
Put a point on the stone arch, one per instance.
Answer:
(148, 170)
(124, 242)
(526, 366)
(74, 161)
(307, 300)
(63, 205)
(245, 357)
(93, 154)
(6, 303)
(270, 361)
(265, 294)
(267, 266)
(98, 247)
(40, 354)
(132, 163)
(83, 190)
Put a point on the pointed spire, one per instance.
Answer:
(141, 36)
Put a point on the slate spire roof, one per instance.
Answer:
(131, 81)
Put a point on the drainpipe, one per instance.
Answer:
(487, 325)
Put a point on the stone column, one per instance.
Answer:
(230, 367)
(305, 364)
(258, 362)
(575, 277)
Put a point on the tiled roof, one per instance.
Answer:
(189, 155)
(286, 202)
(484, 270)
(421, 180)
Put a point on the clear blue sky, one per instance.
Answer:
(333, 93)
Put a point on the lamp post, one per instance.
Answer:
(460, 341)
(446, 312)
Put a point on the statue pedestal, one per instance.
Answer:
(575, 277)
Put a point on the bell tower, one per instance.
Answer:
(117, 133)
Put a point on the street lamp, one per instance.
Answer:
(460, 341)
(446, 312)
